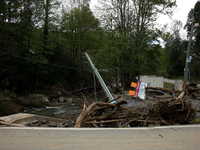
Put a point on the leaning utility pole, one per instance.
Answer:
(188, 56)
(108, 94)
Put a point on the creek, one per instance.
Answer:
(62, 111)
(71, 110)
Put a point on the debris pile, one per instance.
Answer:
(166, 111)
(172, 111)
(193, 90)
(102, 114)
(45, 123)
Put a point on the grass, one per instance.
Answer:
(197, 120)
(168, 85)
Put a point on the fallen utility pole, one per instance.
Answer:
(188, 57)
(108, 94)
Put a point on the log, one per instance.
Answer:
(181, 95)
(11, 124)
(101, 117)
(121, 102)
(83, 114)
(193, 89)
(161, 89)
(107, 121)
(106, 104)
(87, 104)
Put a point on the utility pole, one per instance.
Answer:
(108, 94)
(188, 57)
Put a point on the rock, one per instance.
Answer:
(69, 100)
(61, 99)
(60, 125)
(34, 121)
(53, 100)
(52, 124)
(46, 101)
(44, 122)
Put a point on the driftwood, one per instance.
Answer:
(163, 112)
(161, 89)
(192, 90)
(11, 124)
(181, 95)
(83, 114)
(166, 111)
(107, 121)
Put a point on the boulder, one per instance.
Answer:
(61, 99)
(46, 101)
(52, 124)
(70, 100)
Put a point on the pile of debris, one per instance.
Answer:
(170, 111)
(193, 90)
(45, 123)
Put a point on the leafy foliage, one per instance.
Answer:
(40, 47)
(194, 19)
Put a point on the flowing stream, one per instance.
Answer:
(63, 111)
(71, 110)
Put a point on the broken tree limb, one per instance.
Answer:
(136, 121)
(161, 89)
(181, 95)
(112, 105)
(101, 117)
(107, 121)
(11, 124)
(121, 102)
(69, 119)
(87, 104)
(83, 114)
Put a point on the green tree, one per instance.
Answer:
(79, 29)
(132, 23)
(173, 51)
(194, 19)
(21, 32)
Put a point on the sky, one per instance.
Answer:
(180, 13)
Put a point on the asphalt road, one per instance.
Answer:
(152, 138)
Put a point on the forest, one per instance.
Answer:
(42, 43)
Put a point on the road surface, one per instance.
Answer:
(185, 137)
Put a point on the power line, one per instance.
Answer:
(101, 64)
(37, 60)
(42, 62)
(42, 44)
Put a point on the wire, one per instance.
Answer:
(42, 62)
(100, 63)
(94, 59)
(37, 60)
(42, 44)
